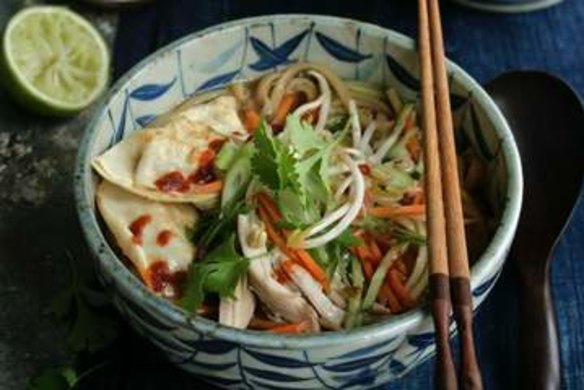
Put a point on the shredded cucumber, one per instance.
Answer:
(238, 175)
(353, 318)
(226, 156)
(379, 277)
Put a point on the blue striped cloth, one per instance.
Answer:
(485, 45)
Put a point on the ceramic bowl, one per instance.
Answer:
(509, 6)
(246, 49)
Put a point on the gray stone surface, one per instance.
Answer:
(38, 225)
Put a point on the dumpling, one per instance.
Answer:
(174, 163)
(152, 235)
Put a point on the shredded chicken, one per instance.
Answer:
(331, 315)
(279, 299)
(237, 311)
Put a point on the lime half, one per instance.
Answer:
(53, 60)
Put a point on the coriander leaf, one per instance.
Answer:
(265, 161)
(60, 378)
(218, 227)
(297, 212)
(219, 272)
(273, 163)
(194, 292)
(313, 171)
(316, 185)
(301, 135)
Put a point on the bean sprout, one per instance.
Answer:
(358, 194)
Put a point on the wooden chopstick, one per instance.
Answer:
(444, 373)
(470, 376)
(446, 238)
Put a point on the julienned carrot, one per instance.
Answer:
(270, 207)
(410, 122)
(414, 148)
(400, 265)
(286, 105)
(271, 230)
(399, 211)
(401, 292)
(270, 215)
(375, 251)
(312, 266)
(262, 324)
(419, 198)
(297, 327)
(251, 120)
(208, 188)
(387, 297)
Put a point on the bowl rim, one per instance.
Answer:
(490, 261)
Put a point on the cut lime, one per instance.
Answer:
(53, 60)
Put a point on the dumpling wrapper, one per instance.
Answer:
(138, 162)
(152, 235)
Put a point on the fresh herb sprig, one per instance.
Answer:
(218, 272)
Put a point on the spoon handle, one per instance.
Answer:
(539, 355)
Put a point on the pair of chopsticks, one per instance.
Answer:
(449, 269)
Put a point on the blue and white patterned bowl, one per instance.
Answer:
(246, 49)
(509, 6)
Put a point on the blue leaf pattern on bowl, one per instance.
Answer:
(401, 74)
(217, 81)
(362, 352)
(340, 51)
(151, 91)
(355, 364)
(421, 340)
(273, 375)
(213, 347)
(397, 367)
(268, 386)
(363, 379)
(485, 286)
(145, 120)
(278, 361)
(270, 58)
(216, 380)
(213, 366)
(118, 135)
(214, 63)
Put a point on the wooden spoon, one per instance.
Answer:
(547, 120)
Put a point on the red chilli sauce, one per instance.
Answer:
(164, 237)
(206, 172)
(365, 169)
(175, 181)
(161, 279)
(137, 227)
(172, 182)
